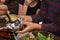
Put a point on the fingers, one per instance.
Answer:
(3, 1)
(23, 31)
(25, 23)
(21, 16)
(3, 28)
(28, 28)
(19, 32)
(25, 18)
(2, 13)
(28, 1)
(3, 7)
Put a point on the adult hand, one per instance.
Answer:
(3, 9)
(25, 18)
(3, 28)
(30, 26)
(3, 1)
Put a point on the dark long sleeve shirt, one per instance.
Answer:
(50, 14)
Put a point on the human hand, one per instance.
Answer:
(3, 9)
(3, 1)
(30, 26)
(3, 28)
(25, 18)
(27, 2)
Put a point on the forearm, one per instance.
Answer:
(25, 7)
(20, 10)
(51, 27)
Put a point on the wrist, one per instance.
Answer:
(38, 27)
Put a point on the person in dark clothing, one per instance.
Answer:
(32, 10)
(29, 8)
(50, 16)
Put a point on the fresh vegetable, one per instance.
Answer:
(27, 38)
(40, 36)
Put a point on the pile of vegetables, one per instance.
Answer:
(40, 36)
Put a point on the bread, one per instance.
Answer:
(12, 17)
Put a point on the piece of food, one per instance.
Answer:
(41, 36)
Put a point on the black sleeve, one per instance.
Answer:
(21, 2)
